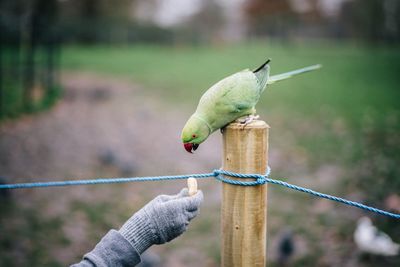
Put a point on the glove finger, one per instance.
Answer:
(191, 215)
(195, 201)
(183, 193)
(184, 204)
(183, 228)
(164, 198)
(184, 225)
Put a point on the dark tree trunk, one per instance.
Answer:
(33, 36)
(1, 69)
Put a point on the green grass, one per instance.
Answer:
(347, 114)
(35, 233)
(15, 98)
(13, 104)
(356, 86)
(352, 81)
(326, 112)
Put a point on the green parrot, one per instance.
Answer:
(230, 99)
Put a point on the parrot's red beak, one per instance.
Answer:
(189, 147)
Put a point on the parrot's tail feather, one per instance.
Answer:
(287, 75)
(262, 66)
(262, 74)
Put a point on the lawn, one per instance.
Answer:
(356, 88)
(353, 80)
(335, 130)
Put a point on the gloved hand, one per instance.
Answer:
(161, 220)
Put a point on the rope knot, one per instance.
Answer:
(221, 176)
(261, 179)
(216, 172)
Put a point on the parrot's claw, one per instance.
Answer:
(248, 119)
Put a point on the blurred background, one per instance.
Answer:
(103, 88)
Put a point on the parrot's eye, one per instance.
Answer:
(194, 136)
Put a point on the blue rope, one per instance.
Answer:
(258, 179)
(262, 179)
(105, 181)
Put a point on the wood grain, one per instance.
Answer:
(244, 208)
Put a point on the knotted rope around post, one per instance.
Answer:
(257, 179)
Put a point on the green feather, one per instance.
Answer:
(231, 98)
(290, 74)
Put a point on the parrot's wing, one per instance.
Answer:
(287, 75)
(230, 98)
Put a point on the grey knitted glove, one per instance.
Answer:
(161, 220)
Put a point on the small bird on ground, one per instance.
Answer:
(370, 240)
(5, 193)
(232, 98)
(286, 247)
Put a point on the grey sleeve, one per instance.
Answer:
(112, 250)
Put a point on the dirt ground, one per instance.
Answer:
(113, 128)
(101, 128)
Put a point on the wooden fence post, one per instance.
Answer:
(244, 208)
